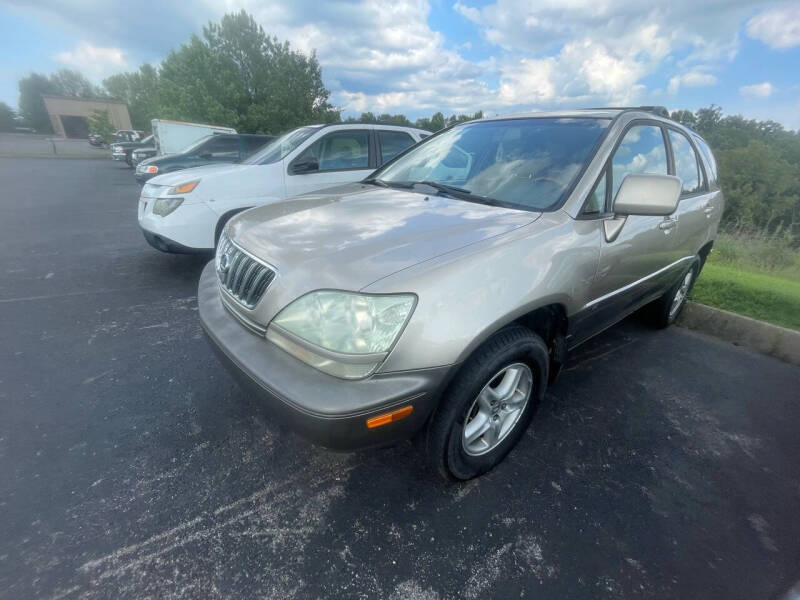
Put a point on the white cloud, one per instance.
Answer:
(96, 62)
(385, 57)
(694, 78)
(778, 28)
(757, 90)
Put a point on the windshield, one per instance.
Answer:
(523, 163)
(282, 146)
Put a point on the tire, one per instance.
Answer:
(512, 350)
(664, 311)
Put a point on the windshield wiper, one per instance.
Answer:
(443, 187)
(457, 192)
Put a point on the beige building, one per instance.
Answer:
(70, 116)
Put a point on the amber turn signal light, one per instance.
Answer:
(386, 418)
(184, 188)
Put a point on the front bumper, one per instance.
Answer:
(188, 229)
(329, 411)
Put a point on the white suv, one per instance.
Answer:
(186, 211)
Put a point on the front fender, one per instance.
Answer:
(467, 295)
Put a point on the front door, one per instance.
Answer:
(635, 265)
(341, 157)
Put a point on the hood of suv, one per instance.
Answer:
(350, 236)
(178, 177)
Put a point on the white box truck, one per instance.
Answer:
(173, 136)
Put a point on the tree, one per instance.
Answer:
(8, 118)
(437, 122)
(140, 91)
(61, 83)
(31, 104)
(67, 82)
(238, 76)
(100, 124)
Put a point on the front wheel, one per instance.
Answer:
(489, 405)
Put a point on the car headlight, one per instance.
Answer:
(147, 169)
(344, 334)
(165, 206)
(183, 188)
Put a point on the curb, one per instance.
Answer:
(772, 340)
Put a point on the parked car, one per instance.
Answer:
(142, 154)
(208, 150)
(185, 211)
(129, 135)
(172, 137)
(440, 296)
(95, 139)
(123, 150)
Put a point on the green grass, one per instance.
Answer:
(770, 298)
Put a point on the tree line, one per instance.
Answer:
(759, 171)
(238, 76)
(234, 75)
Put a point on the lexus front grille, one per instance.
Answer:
(242, 276)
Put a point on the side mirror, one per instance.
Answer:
(645, 194)
(307, 164)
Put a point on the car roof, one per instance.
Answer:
(592, 113)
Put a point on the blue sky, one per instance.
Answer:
(419, 56)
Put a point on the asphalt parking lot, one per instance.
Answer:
(663, 464)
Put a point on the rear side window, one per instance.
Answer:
(686, 166)
(642, 150)
(711, 164)
(393, 143)
(340, 150)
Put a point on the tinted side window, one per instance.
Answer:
(220, 146)
(686, 166)
(251, 144)
(340, 150)
(642, 150)
(393, 143)
(711, 164)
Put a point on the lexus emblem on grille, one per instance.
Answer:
(224, 262)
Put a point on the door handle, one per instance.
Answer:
(667, 224)
(708, 209)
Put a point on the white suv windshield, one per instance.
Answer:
(277, 149)
(523, 163)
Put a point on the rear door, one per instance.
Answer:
(696, 206)
(634, 266)
(342, 156)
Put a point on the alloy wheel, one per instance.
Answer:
(496, 409)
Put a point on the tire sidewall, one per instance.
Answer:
(670, 319)
(530, 351)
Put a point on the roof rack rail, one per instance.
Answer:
(661, 111)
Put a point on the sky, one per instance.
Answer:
(456, 56)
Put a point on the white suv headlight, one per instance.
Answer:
(345, 334)
(165, 206)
